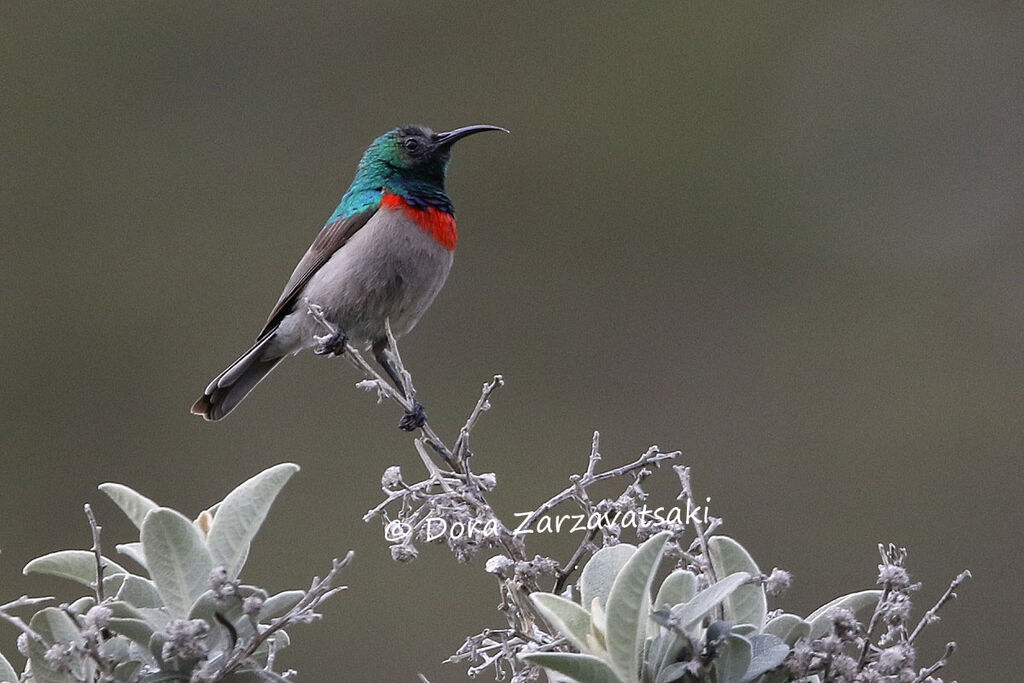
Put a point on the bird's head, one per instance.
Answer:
(415, 153)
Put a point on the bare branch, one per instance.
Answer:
(383, 386)
(941, 662)
(17, 622)
(461, 449)
(652, 457)
(687, 495)
(96, 529)
(304, 610)
(932, 614)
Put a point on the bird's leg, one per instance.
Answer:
(416, 416)
(331, 344)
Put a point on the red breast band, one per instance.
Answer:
(437, 223)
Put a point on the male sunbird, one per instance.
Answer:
(383, 255)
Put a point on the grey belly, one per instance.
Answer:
(389, 270)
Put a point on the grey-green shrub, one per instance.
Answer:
(183, 614)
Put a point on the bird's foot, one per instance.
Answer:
(331, 344)
(413, 419)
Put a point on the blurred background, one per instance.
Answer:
(786, 240)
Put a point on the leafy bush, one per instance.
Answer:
(709, 620)
(185, 616)
(720, 631)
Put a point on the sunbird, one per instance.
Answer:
(383, 255)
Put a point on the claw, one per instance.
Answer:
(331, 344)
(413, 419)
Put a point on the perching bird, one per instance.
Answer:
(383, 255)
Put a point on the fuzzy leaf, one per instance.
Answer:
(665, 649)
(241, 514)
(599, 573)
(134, 551)
(553, 677)
(77, 565)
(82, 605)
(819, 618)
(122, 610)
(138, 591)
(135, 630)
(672, 673)
(116, 649)
(131, 502)
(7, 672)
(55, 627)
(787, 627)
(278, 605)
(177, 559)
(678, 587)
(582, 668)
(767, 652)
(571, 620)
(126, 671)
(708, 599)
(733, 659)
(629, 605)
(748, 604)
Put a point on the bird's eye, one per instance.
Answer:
(411, 145)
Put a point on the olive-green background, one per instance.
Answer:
(784, 238)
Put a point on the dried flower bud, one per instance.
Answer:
(97, 617)
(778, 582)
(221, 583)
(800, 659)
(392, 477)
(844, 622)
(892, 660)
(896, 608)
(500, 565)
(252, 605)
(830, 644)
(843, 669)
(60, 657)
(186, 639)
(404, 552)
(893, 576)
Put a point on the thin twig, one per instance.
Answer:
(96, 529)
(595, 453)
(461, 449)
(943, 661)
(17, 622)
(383, 386)
(930, 615)
(415, 489)
(565, 572)
(435, 473)
(686, 495)
(876, 614)
(652, 457)
(319, 591)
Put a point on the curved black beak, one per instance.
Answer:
(445, 140)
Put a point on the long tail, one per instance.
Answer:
(229, 387)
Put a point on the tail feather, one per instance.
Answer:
(229, 387)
